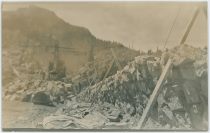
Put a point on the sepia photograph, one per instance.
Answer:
(105, 66)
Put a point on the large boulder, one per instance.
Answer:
(42, 98)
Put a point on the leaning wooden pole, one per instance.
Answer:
(190, 26)
(155, 93)
(109, 69)
(116, 59)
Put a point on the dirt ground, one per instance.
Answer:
(23, 115)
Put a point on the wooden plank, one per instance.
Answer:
(190, 26)
(155, 93)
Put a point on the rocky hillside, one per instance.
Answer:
(36, 29)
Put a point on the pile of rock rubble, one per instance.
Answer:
(119, 100)
(33, 90)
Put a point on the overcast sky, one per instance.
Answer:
(145, 25)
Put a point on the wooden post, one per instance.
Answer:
(154, 95)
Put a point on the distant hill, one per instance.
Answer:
(35, 26)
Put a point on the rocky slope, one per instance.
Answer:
(34, 30)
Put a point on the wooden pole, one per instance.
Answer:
(116, 60)
(203, 7)
(155, 93)
(190, 26)
(107, 72)
(14, 70)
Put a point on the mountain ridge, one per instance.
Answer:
(36, 26)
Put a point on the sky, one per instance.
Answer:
(140, 25)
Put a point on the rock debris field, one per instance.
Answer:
(118, 101)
